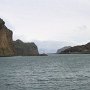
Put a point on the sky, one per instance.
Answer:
(48, 20)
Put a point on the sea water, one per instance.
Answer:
(53, 72)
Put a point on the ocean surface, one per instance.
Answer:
(53, 72)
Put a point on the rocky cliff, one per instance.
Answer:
(8, 47)
(6, 43)
(82, 49)
(25, 49)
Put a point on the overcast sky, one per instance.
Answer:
(48, 20)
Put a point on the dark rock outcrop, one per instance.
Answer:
(82, 49)
(6, 43)
(8, 47)
(25, 49)
(62, 49)
(43, 54)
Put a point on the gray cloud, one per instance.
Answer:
(62, 20)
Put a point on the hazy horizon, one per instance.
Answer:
(48, 20)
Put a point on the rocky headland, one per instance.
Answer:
(8, 47)
(81, 49)
(25, 49)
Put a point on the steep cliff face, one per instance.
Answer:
(6, 44)
(25, 49)
(8, 47)
(83, 49)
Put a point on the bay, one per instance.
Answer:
(53, 72)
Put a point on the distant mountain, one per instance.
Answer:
(51, 46)
(62, 49)
(82, 49)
